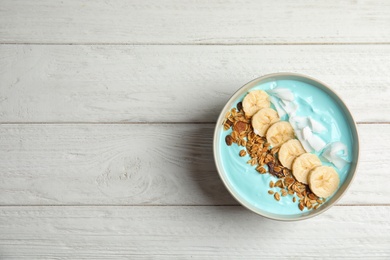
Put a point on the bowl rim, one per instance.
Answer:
(353, 128)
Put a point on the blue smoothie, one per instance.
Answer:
(252, 186)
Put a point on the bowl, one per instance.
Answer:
(249, 187)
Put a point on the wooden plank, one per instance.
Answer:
(175, 83)
(194, 22)
(190, 232)
(146, 164)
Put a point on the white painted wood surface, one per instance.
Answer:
(194, 22)
(175, 83)
(107, 110)
(144, 164)
(227, 232)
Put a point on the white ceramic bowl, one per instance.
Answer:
(240, 196)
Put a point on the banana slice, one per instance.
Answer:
(254, 101)
(279, 133)
(323, 181)
(289, 151)
(263, 119)
(303, 164)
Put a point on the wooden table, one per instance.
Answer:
(107, 110)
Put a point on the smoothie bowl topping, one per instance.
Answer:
(279, 142)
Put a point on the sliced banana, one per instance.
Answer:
(289, 151)
(263, 119)
(303, 164)
(254, 101)
(323, 181)
(279, 133)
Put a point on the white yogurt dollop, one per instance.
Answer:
(307, 128)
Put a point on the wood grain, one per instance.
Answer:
(144, 164)
(175, 83)
(102, 153)
(194, 22)
(190, 232)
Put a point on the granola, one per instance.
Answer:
(266, 160)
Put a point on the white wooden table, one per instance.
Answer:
(107, 110)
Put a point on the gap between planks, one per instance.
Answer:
(142, 123)
(176, 205)
(193, 44)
